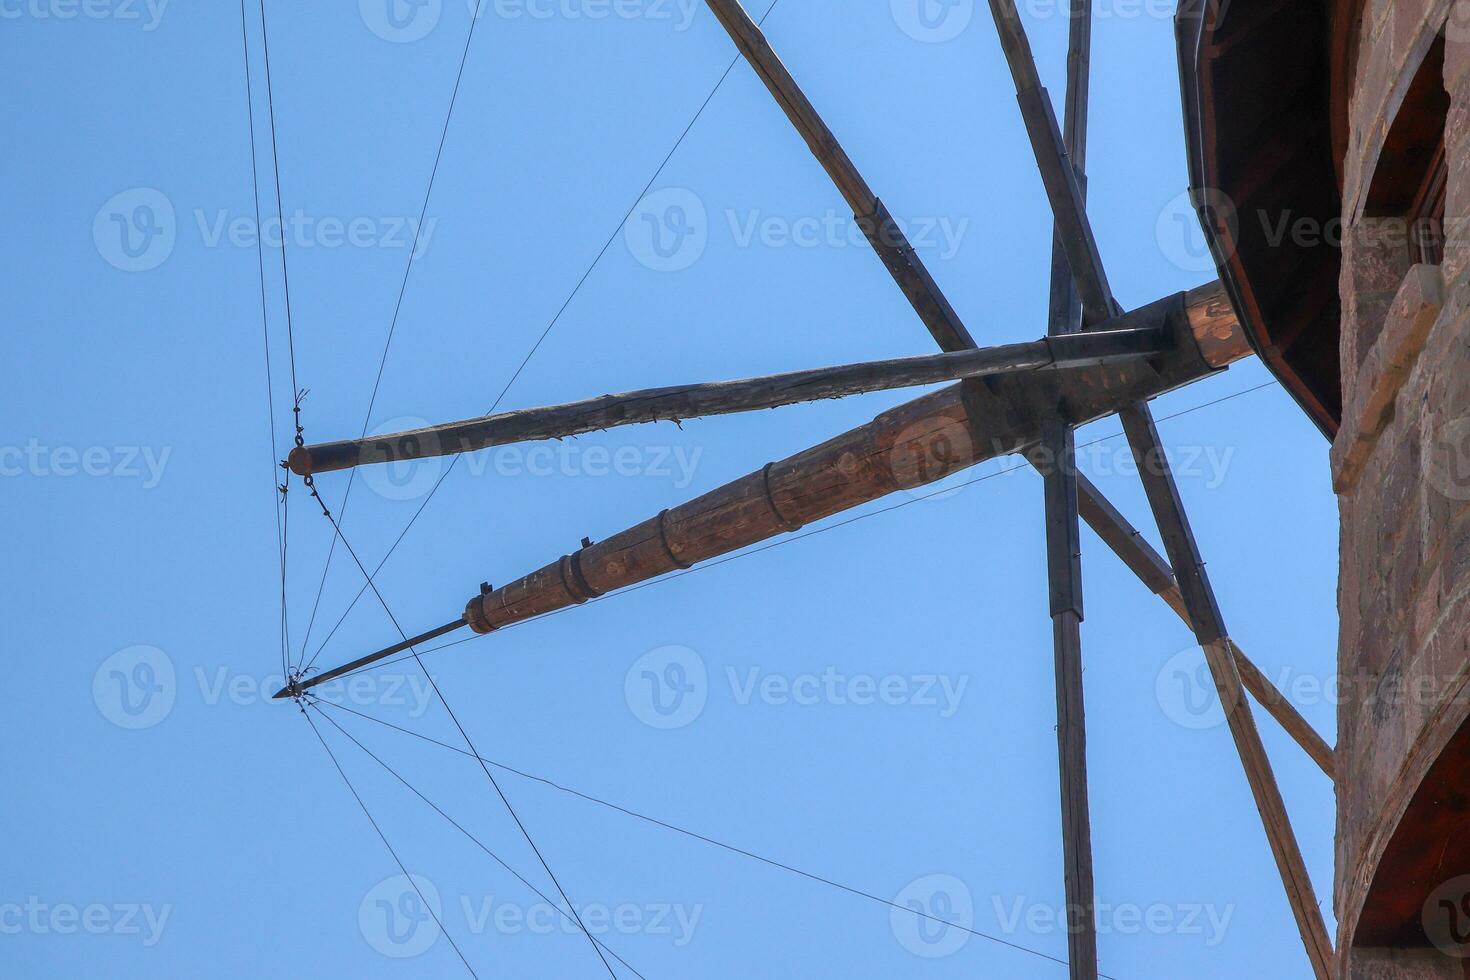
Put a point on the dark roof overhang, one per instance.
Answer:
(1265, 124)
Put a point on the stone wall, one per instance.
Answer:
(1401, 463)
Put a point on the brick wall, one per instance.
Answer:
(1401, 463)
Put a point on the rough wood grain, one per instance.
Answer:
(683, 402)
(914, 444)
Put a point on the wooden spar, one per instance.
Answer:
(1058, 173)
(725, 397)
(1209, 629)
(1065, 195)
(914, 444)
(1153, 571)
(1064, 551)
(872, 217)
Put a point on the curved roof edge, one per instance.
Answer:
(1263, 136)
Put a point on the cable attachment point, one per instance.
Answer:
(296, 410)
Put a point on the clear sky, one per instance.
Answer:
(872, 705)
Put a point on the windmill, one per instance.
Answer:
(1095, 360)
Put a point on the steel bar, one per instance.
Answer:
(720, 398)
(295, 686)
(878, 226)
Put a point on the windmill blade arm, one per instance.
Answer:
(1126, 340)
(915, 444)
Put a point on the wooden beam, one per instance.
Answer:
(1064, 552)
(1154, 572)
(1059, 174)
(909, 446)
(726, 397)
(1068, 206)
(1209, 630)
(872, 217)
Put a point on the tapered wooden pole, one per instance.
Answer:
(914, 444)
(685, 402)
(907, 447)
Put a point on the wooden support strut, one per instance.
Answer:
(1209, 630)
(872, 217)
(1064, 193)
(684, 402)
(1058, 174)
(1064, 554)
(1154, 572)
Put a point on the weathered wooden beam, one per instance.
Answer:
(1059, 175)
(1064, 565)
(872, 217)
(1154, 572)
(1068, 206)
(1064, 553)
(683, 402)
(909, 446)
(1209, 629)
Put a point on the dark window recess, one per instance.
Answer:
(1426, 214)
(1409, 182)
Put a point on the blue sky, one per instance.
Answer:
(876, 702)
